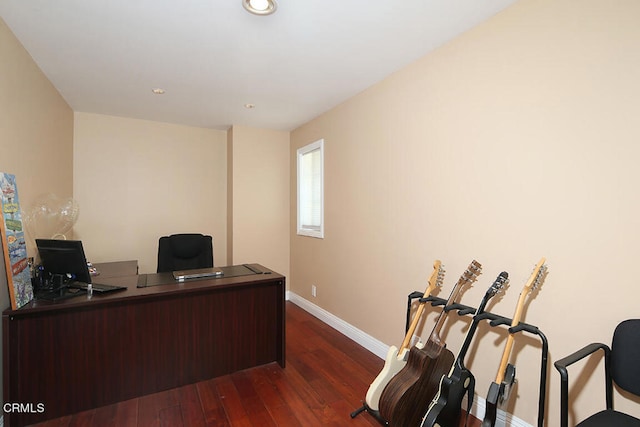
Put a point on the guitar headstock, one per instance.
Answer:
(536, 276)
(498, 285)
(437, 277)
(469, 276)
(471, 273)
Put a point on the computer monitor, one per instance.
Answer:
(62, 257)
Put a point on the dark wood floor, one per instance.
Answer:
(326, 378)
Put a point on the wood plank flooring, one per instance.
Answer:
(326, 378)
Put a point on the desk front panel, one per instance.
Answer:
(86, 356)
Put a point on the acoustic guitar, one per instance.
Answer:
(445, 409)
(500, 389)
(404, 400)
(397, 357)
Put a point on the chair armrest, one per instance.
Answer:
(562, 364)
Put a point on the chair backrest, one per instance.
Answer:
(184, 252)
(625, 356)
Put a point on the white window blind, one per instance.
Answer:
(310, 189)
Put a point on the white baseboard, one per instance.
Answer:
(375, 346)
(503, 419)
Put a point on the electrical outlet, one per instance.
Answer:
(313, 290)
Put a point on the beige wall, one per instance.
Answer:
(36, 126)
(259, 202)
(36, 132)
(517, 140)
(137, 180)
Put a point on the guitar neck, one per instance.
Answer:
(414, 324)
(517, 316)
(469, 337)
(506, 353)
(434, 281)
(496, 286)
(435, 344)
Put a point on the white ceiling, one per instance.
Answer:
(212, 57)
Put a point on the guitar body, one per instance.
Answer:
(404, 400)
(445, 410)
(397, 358)
(392, 365)
(492, 405)
(497, 395)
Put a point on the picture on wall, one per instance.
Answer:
(14, 244)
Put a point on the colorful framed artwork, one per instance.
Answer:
(14, 244)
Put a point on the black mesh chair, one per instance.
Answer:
(184, 252)
(621, 366)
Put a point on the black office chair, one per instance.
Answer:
(184, 252)
(622, 367)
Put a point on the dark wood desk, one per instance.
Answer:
(81, 353)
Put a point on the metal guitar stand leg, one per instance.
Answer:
(375, 414)
(413, 295)
(495, 320)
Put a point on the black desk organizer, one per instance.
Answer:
(494, 321)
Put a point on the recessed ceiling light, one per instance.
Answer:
(157, 91)
(260, 7)
(249, 106)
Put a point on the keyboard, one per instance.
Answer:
(59, 294)
(97, 287)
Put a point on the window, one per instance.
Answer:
(311, 190)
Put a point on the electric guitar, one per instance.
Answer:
(445, 407)
(397, 357)
(500, 389)
(408, 393)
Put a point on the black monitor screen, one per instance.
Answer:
(64, 257)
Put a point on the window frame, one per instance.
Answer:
(303, 230)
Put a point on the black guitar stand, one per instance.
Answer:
(375, 414)
(494, 321)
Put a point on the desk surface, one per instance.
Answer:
(124, 273)
(82, 353)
